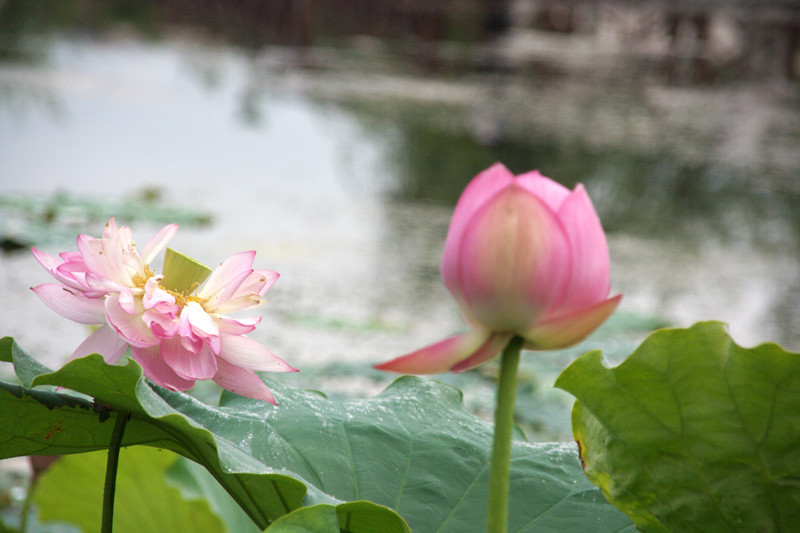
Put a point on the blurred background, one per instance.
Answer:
(334, 137)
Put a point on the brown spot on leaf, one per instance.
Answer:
(580, 454)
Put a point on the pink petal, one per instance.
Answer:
(49, 262)
(105, 342)
(133, 263)
(157, 371)
(569, 330)
(100, 285)
(159, 299)
(114, 246)
(102, 264)
(227, 271)
(242, 382)
(71, 257)
(73, 274)
(221, 297)
(489, 350)
(248, 292)
(130, 327)
(550, 192)
(185, 327)
(230, 326)
(590, 275)
(192, 326)
(163, 326)
(200, 365)
(482, 187)
(125, 238)
(158, 242)
(438, 357)
(247, 353)
(514, 264)
(201, 322)
(259, 282)
(71, 303)
(127, 302)
(191, 344)
(215, 343)
(53, 266)
(240, 304)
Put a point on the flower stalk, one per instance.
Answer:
(503, 427)
(110, 487)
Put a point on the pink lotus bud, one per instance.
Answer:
(523, 256)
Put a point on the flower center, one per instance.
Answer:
(141, 280)
(182, 298)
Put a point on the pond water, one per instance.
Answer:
(341, 170)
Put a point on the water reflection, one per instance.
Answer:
(340, 167)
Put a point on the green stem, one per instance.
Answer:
(503, 426)
(26, 506)
(111, 472)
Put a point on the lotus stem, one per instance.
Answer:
(26, 506)
(503, 426)
(111, 472)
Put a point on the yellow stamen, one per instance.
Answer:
(184, 298)
(140, 280)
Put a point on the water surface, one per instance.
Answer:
(343, 179)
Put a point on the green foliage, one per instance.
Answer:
(414, 448)
(693, 432)
(71, 491)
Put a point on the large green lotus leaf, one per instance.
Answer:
(71, 491)
(195, 482)
(693, 432)
(348, 518)
(414, 448)
(313, 519)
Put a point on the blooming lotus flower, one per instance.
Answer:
(177, 332)
(523, 256)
